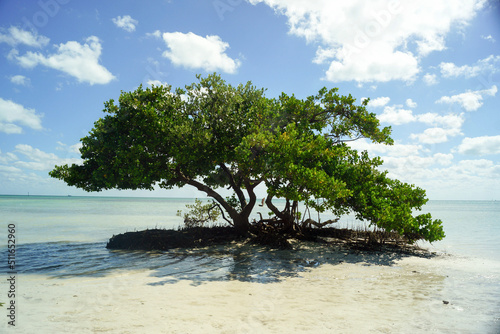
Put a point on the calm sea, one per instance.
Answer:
(66, 236)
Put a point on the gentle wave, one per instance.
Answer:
(241, 262)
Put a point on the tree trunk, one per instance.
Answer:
(241, 224)
(240, 219)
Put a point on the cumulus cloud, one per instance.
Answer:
(450, 121)
(397, 115)
(73, 58)
(379, 101)
(196, 52)
(8, 157)
(410, 103)
(430, 79)
(485, 145)
(377, 64)
(16, 36)
(470, 100)
(39, 160)
(435, 172)
(443, 127)
(156, 83)
(20, 80)
(407, 162)
(374, 40)
(14, 115)
(126, 22)
(396, 150)
(488, 65)
(436, 135)
(415, 164)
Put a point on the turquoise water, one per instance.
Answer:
(66, 236)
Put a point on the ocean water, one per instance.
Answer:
(63, 237)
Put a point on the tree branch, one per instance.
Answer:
(223, 215)
(253, 198)
(273, 208)
(210, 192)
(236, 188)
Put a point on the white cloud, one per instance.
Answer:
(20, 80)
(436, 135)
(397, 115)
(396, 150)
(377, 64)
(71, 149)
(488, 38)
(374, 40)
(73, 58)
(126, 22)
(156, 83)
(436, 172)
(488, 65)
(470, 100)
(450, 121)
(39, 160)
(197, 52)
(12, 115)
(410, 103)
(7, 158)
(475, 166)
(18, 36)
(444, 127)
(76, 148)
(407, 162)
(379, 101)
(430, 79)
(156, 34)
(484, 145)
(9, 170)
(413, 164)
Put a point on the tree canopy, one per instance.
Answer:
(212, 135)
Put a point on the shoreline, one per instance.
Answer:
(362, 293)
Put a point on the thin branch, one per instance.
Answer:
(273, 208)
(222, 213)
(212, 193)
(236, 188)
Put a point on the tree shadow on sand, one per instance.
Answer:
(259, 264)
(242, 261)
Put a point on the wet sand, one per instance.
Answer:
(356, 295)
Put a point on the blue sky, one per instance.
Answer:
(430, 68)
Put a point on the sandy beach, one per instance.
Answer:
(363, 293)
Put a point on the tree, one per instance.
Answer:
(212, 135)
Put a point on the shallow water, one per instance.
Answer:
(62, 237)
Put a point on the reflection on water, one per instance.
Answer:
(231, 262)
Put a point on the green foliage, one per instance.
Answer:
(200, 214)
(212, 135)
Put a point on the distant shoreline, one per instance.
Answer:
(195, 197)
